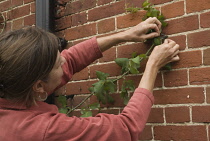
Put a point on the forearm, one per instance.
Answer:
(149, 77)
(107, 42)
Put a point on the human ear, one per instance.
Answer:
(38, 86)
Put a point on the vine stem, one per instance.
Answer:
(83, 101)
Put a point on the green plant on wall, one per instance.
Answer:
(105, 87)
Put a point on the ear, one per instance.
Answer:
(38, 87)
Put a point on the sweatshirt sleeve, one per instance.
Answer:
(79, 56)
(104, 127)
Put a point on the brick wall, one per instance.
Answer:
(182, 96)
(18, 13)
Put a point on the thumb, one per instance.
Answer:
(151, 35)
(166, 41)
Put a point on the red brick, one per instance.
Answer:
(60, 11)
(206, 56)
(33, 7)
(198, 39)
(205, 20)
(112, 68)
(78, 99)
(131, 3)
(197, 5)
(200, 114)
(125, 51)
(181, 40)
(80, 32)
(63, 23)
(6, 5)
(106, 25)
(156, 116)
(101, 2)
(175, 78)
(78, 19)
(159, 1)
(17, 24)
(17, 2)
(106, 11)
(136, 80)
(118, 101)
(146, 134)
(186, 59)
(8, 27)
(27, 1)
(78, 87)
(177, 114)
(173, 10)
(182, 25)
(199, 76)
(130, 19)
(109, 55)
(78, 6)
(19, 12)
(59, 33)
(82, 75)
(181, 133)
(179, 96)
(208, 94)
(29, 20)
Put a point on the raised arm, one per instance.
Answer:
(137, 33)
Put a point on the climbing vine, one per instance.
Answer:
(105, 87)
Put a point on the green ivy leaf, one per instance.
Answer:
(86, 114)
(94, 106)
(143, 56)
(157, 41)
(63, 110)
(167, 67)
(145, 4)
(62, 100)
(123, 62)
(110, 86)
(136, 60)
(102, 75)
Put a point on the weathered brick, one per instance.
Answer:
(198, 39)
(109, 55)
(175, 78)
(79, 19)
(181, 40)
(200, 114)
(101, 2)
(19, 12)
(82, 75)
(125, 51)
(130, 19)
(17, 24)
(197, 5)
(208, 94)
(172, 10)
(206, 56)
(29, 20)
(186, 59)
(17, 2)
(80, 31)
(78, 87)
(6, 5)
(78, 6)
(205, 20)
(146, 134)
(159, 1)
(182, 25)
(199, 76)
(106, 11)
(106, 25)
(28, 1)
(179, 95)
(177, 114)
(63, 23)
(181, 133)
(156, 116)
(112, 68)
(33, 7)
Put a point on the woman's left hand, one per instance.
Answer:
(139, 32)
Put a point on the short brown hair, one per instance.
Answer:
(26, 55)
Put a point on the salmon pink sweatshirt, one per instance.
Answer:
(43, 122)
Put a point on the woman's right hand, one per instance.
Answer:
(164, 53)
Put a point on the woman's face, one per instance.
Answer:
(55, 76)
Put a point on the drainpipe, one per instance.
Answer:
(45, 14)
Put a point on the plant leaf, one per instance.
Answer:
(102, 75)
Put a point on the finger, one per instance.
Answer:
(155, 27)
(175, 53)
(166, 41)
(176, 58)
(172, 43)
(156, 21)
(151, 35)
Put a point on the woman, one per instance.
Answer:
(31, 68)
